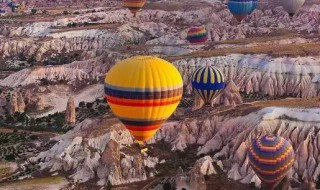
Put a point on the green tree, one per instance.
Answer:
(9, 119)
(59, 122)
(32, 122)
(109, 185)
(31, 60)
(9, 157)
(22, 57)
(167, 186)
(33, 11)
(89, 105)
(82, 104)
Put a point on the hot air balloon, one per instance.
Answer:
(255, 5)
(207, 82)
(133, 5)
(292, 6)
(143, 91)
(240, 8)
(197, 35)
(270, 157)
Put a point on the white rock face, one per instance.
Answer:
(204, 165)
(260, 73)
(229, 95)
(153, 27)
(92, 151)
(230, 137)
(194, 179)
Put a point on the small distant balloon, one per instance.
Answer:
(292, 6)
(207, 82)
(197, 35)
(270, 157)
(241, 8)
(134, 5)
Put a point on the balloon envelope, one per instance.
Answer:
(271, 157)
(240, 8)
(207, 82)
(133, 5)
(254, 6)
(292, 6)
(197, 35)
(143, 92)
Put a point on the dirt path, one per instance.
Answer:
(45, 133)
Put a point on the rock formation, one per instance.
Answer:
(39, 103)
(70, 115)
(229, 95)
(281, 76)
(226, 136)
(194, 179)
(20, 102)
(13, 104)
(91, 151)
(197, 103)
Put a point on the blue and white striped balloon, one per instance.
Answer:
(207, 82)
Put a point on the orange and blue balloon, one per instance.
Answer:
(271, 157)
(133, 5)
(197, 35)
(207, 82)
(143, 91)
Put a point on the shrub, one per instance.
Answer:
(59, 122)
(167, 186)
(9, 157)
(22, 57)
(33, 11)
(82, 104)
(65, 12)
(109, 186)
(89, 105)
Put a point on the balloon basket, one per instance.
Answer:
(142, 146)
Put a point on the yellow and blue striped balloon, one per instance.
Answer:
(143, 91)
(270, 157)
(207, 82)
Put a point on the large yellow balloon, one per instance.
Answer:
(143, 92)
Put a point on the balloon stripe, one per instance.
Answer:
(206, 76)
(202, 86)
(143, 104)
(276, 160)
(142, 95)
(144, 128)
(131, 122)
(143, 89)
(144, 100)
(278, 171)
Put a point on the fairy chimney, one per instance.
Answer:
(70, 116)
